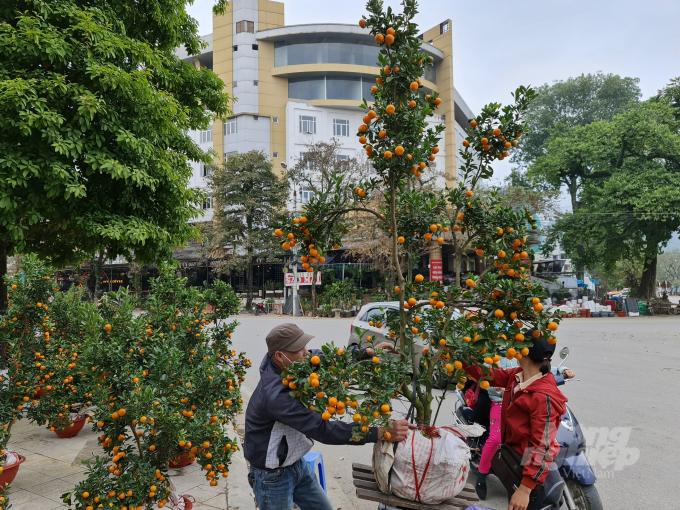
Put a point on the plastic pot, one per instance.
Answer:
(183, 461)
(9, 473)
(69, 432)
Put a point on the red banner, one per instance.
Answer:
(436, 270)
(303, 279)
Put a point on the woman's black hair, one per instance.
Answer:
(546, 366)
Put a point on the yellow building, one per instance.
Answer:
(303, 83)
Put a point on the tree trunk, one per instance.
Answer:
(314, 303)
(249, 277)
(647, 289)
(573, 192)
(3, 273)
(97, 270)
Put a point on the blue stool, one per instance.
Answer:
(315, 459)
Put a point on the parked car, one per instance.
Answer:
(375, 312)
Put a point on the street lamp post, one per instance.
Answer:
(296, 304)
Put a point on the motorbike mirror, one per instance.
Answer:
(564, 352)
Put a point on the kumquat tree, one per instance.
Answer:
(167, 389)
(438, 327)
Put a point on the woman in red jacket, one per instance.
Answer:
(530, 416)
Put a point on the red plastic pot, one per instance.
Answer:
(183, 461)
(621, 314)
(188, 503)
(9, 473)
(69, 432)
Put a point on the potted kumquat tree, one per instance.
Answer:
(25, 333)
(496, 313)
(167, 383)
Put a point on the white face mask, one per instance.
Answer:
(289, 361)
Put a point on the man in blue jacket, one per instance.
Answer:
(280, 430)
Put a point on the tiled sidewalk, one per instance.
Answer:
(53, 466)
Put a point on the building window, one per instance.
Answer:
(444, 118)
(236, 47)
(230, 126)
(227, 155)
(275, 155)
(430, 41)
(256, 118)
(307, 124)
(444, 27)
(256, 82)
(245, 26)
(206, 170)
(275, 120)
(255, 47)
(206, 136)
(208, 202)
(234, 84)
(342, 157)
(340, 127)
(306, 194)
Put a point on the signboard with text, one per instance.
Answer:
(303, 279)
(436, 270)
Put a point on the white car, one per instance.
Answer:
(375, 312)
(372, 312)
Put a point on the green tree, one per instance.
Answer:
(669, 267)
(575, 102)
(249, 199)
(633, 210)
(559, 119)
(94, 107)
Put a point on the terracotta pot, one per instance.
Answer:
(71, 431)
(183, 461)
(9, 473)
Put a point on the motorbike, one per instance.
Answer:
(571, 481)
(259, 308)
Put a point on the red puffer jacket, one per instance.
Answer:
(529, 420)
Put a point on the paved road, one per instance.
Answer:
(626, 398)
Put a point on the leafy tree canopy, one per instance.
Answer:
(94, 110)
(633, 209)
(575, 102)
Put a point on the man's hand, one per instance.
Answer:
(568, 374)
(397, 432)
(370, 351)
(520, 499)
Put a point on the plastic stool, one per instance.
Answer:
(315, 459)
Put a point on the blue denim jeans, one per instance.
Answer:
(278, 489)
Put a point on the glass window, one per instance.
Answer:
(340, 127)
(342, 157)
(206, 170)
(343, 88)
(430, 74)
(255, 47)
(228, 154)
(366, 85)
(306, 88)
(206, 136)
(275, 120)
(208, 202)
(230, 126)
(307, 124)
(324, 51)
(306, 194)
(275, 155)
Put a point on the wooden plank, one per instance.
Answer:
(364, 484)
(363, 476)
(356, 466)
(394, 501)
